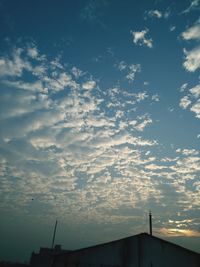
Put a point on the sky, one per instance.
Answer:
(99, 122)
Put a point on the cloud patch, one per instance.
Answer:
(140, 38)
(192, 59)
(192, 100)
(192, 33)
(155, 13)
(129, 70)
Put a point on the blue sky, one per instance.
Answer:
(100, 109)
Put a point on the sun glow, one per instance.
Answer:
(178, 232)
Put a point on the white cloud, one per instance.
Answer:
(192, 99)
(77, 72)
(140, 38)
(188, 152)
(130, 70)
(60, 82)
(35, 86)
(196, 109)
(155, 167)
(55, 64)
(32, 52)
(141, 122)
(155, 13)
(172, 28)
(133, 69)
(140, 127)
(192, 59)
(122, 65)
(185, 102)
(183, 87)
(15, 65)
(155, 98)
(141, 96)
(77, 150)
(193, 33)
(100, 122)
(89, 85)
(195, 91)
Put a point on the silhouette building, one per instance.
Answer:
(45, 256)
(142, 250)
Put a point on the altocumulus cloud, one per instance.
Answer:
(61, 145)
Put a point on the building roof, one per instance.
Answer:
(141, 235)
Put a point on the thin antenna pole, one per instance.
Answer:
(150, 223)
(54, 234)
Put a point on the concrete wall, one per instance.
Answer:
(137, 251)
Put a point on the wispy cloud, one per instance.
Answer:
(129, 70)
(14, 66)
(194, 5)
(155, 13)
(92, 11)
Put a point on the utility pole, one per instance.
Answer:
(150, 223)
(54, 234)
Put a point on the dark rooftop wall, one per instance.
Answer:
(137, 251)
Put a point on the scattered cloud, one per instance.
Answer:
(130, 70)
(139, 37)
(84, 144)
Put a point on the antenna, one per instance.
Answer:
(150, 223)
(54, 234)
